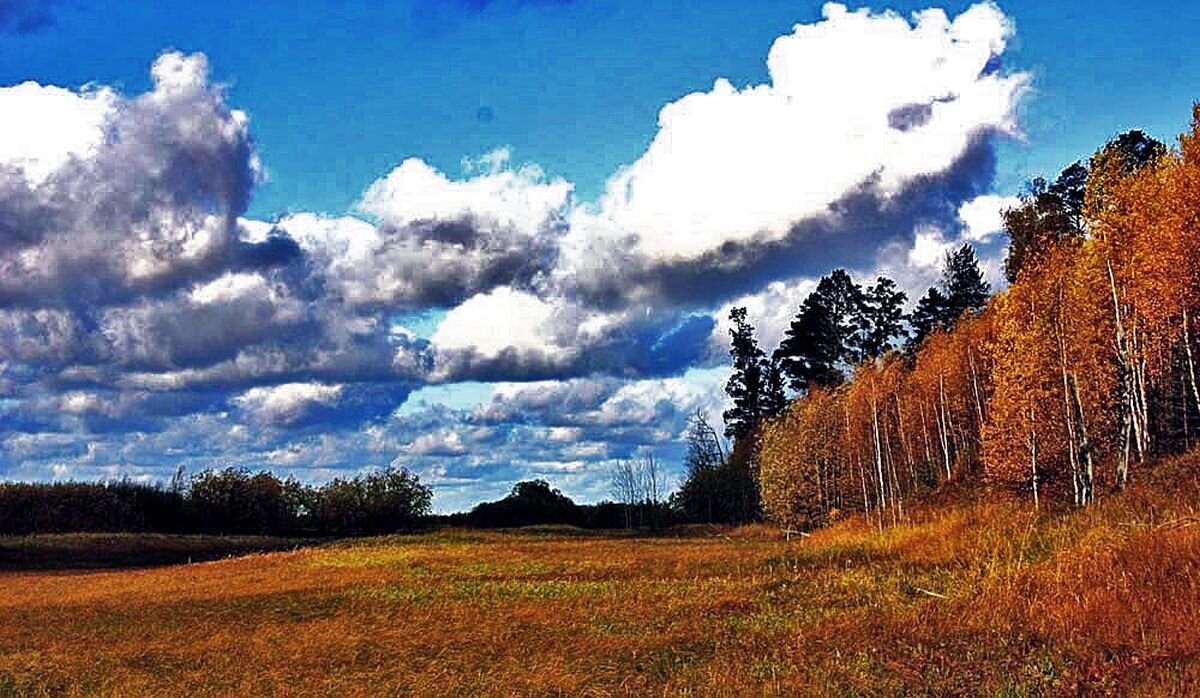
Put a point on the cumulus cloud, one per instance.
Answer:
(440, 443)
(142, 195)
(281, 404)
(497, 199)
(982, 217)
(502, 319)
(43, 127)
(506, 335)
(437, 241)
(867, 119)
(144, 320)
(732, 164)
(770, 310)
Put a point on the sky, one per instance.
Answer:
(491, 240)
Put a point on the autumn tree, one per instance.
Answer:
(803, 475)
(1115, 217)
(1083, 366)
(1048, 215)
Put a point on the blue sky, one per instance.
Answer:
(335, 317)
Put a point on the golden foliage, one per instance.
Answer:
(1085, 366)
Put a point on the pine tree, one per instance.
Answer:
(746, 385)
(963, 283)
(882, 312)
(929, 315)
(962, 288)
(1049, 214)
(774, 402)
(809, 354)
(824, 335)
(845, 299)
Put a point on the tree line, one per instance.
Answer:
(841, 325)
(1055, 389)
(229, 501)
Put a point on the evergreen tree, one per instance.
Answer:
(704, 450)
(1048, 215)
(824, 334)
(809, 352)
(746, 385)
(882, 313)
(845, 300)
(1136, 149)
(1068, 192)
(963, 283)
(929, 314)
(774, 399)
(962, 288)
(839, 326)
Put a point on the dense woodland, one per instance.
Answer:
(1056, 389)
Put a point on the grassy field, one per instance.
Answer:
(963, 600)
(77, 551)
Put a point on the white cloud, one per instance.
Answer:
(503, 319)
(648, 401)
(81, 403)
(229, 287)
(498, 198)
(564, 434)
(855, 98)
(145, 192)
(178, 75)
(439, 443)
(438, 241)
(982, 216)
(929, 248)
(281, 404)
(770, 311)
(161, 255)
(42, 127)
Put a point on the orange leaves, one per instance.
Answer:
(1087, 361)
(800, 461)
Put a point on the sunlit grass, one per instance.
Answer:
(960, 600)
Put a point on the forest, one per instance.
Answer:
(1055, 390)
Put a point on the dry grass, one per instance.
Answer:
(77, 551)
(970, 600)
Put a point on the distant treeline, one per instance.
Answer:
(536, 503)
(238, 501)
(230, 501)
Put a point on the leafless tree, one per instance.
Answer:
(637, 484)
